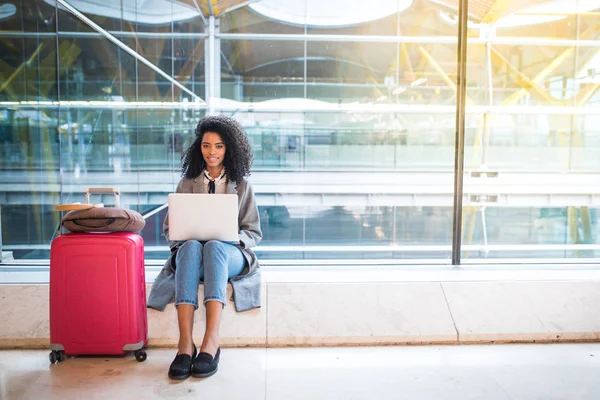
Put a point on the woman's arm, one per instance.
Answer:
(248, 218)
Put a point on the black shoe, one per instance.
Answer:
(205, 365)
(181, 367)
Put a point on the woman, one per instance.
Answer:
(218, 161)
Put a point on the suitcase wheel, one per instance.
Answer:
(57, 356)
(140, 355)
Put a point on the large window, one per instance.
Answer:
(350, 111)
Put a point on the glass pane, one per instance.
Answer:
(586, 129)
(531, 232)
(587, 19)
(260, 70)
(344, 127)
(272, 16)
(337, 180)
(104, 118)
(541, 19)
(344, 18)
(530, 160)
(122, 18)
(29, 147)
(339, 72)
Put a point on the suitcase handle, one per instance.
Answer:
(115, 191)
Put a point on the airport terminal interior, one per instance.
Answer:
(352, 110)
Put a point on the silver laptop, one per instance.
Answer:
(194, 216)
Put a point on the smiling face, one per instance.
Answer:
(213, 150)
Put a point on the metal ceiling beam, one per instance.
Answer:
(498, 10)
(522, 78)
(201, 14)
(514, 98)
(446, 78)
(491, 9)
(438, 68)
(216, 8)
(209, 5)
(230, 6)
(8, 81)
(587, 94)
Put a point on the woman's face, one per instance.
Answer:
(213, 149)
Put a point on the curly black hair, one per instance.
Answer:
(238, 155)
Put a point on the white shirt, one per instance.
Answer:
(220, 182)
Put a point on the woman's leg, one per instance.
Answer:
(221, 262)
(187, 279)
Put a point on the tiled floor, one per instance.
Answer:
(519, 372)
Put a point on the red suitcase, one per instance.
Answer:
(97, 295)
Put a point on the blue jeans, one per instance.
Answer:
(214, 262)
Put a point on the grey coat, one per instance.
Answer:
(246, 286)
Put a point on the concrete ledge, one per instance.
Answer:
(367, 313)
(525, 311)
(357, 313)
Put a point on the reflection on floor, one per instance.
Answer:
(523, 372)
